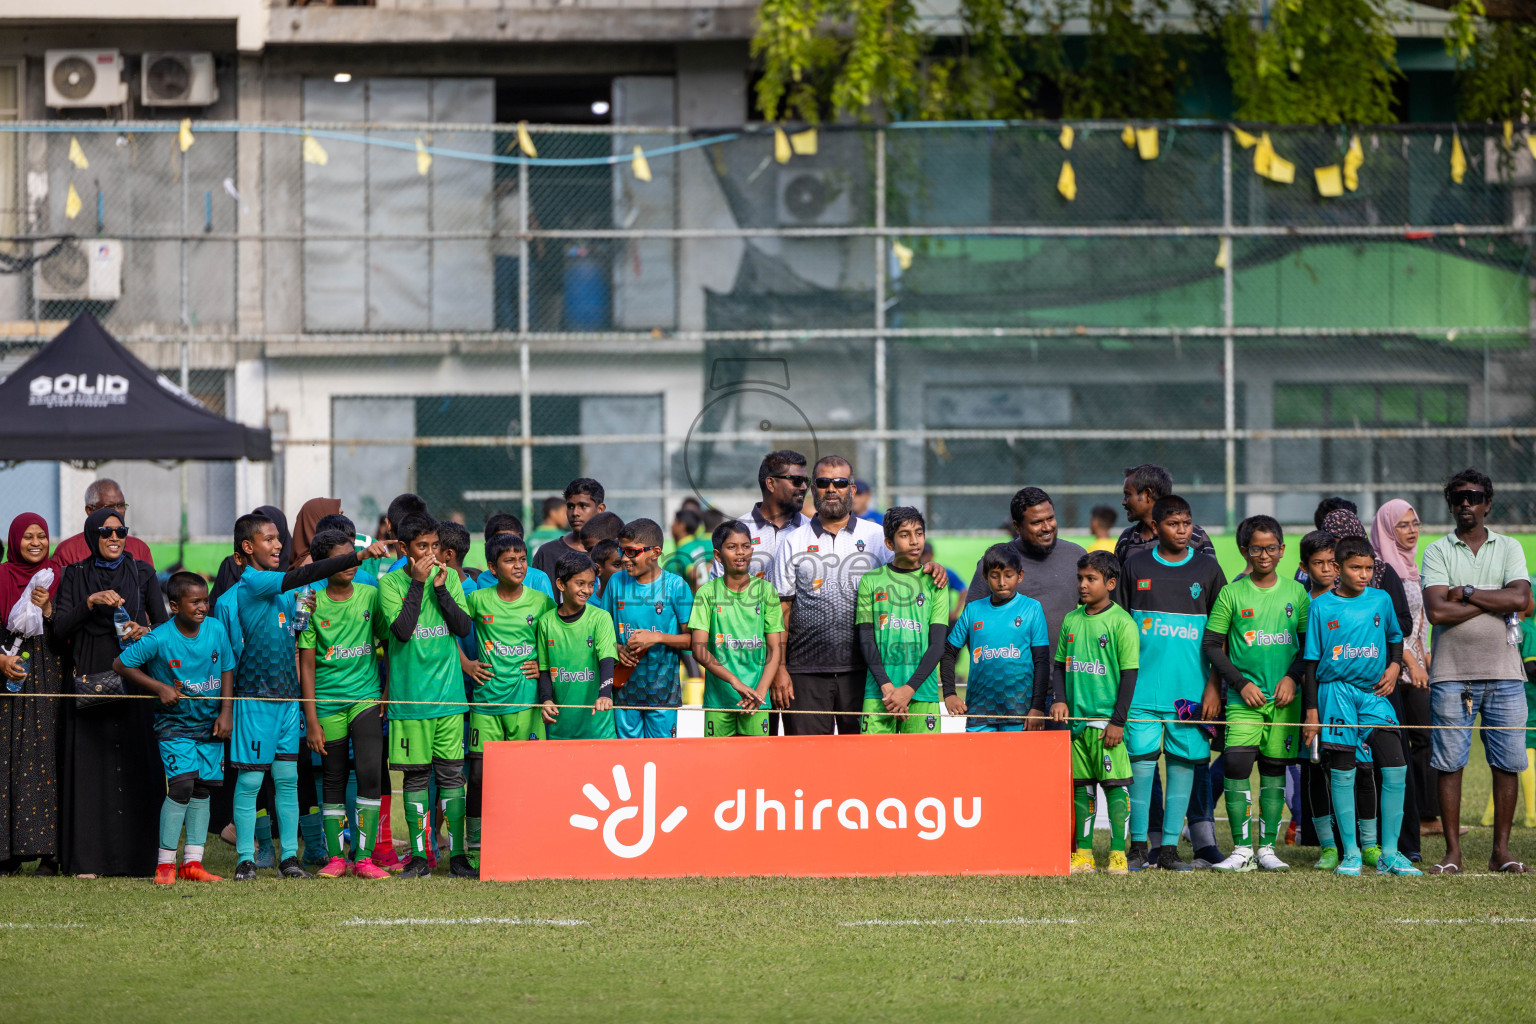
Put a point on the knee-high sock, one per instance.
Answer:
(1394, 785)
(285, 784)
(1366, 805)
(367, 825)
(335, 818)
(1082, 816)
(1319, 793)
(453, 813)
(416, 806)
(1341, 785)
(198, 810)
(310, 823)
(1271, 806)
(246, 788)
(1181, 780)
(1142, 775)
(1118, 801)
(1239, 810)
(172, 815)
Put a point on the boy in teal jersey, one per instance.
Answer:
(902, 618)
(186, 656)
(576, 646)
(650, 610)
(1010, 649)
(426, 729)
(339, 678)
(1353, 653)
(1097, 654)
(1322, 569)
(738, 638)
(506, 617)
(1253, 638)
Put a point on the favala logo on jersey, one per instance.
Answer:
(1259, 638)
(1348, 652)
(78, 390)
(985, 653)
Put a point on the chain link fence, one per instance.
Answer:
(429, 306)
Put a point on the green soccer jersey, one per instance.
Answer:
(1265, 630)
(571, 653)
(1095, 649)
(738, 624)
(425, 668)
(901, 606)
(690, 553)
(504, 631)
(341, 635)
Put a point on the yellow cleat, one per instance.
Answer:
(1117, 864)
(1082, 862)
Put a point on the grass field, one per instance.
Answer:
(1200, 946)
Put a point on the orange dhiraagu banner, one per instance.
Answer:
(975, 803)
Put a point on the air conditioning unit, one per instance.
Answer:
(84, 78)
(177, 79)
(812, 198)
(83, 269)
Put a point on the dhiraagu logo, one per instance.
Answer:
(646, 811)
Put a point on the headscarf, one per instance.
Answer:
(1341, 523)
(310, 513)
(93, 574)
(275, 514)
(1384, 540)
(15, 574)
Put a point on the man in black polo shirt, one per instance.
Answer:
(1145, 484)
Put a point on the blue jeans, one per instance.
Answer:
(1500, 701)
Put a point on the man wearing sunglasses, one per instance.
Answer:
(782, 480)
(101, 494)
(1475, 585)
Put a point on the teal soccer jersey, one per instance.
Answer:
(1169, 603)
(266, 666)
(227, 610)
(1348, 637)
(1001, 638)
(662, 605)
(193, 666)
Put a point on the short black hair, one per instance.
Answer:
(1468, 476)
(571, 564)
(585, 485)
(644, 532)
(180, 582)
(404, 505)
(1312, 543)
(604, 550)
(775, 463)
(711, 518)
(1346, 548)
(247, 527)
(1024, 499)
(1103, 514)
(453, 537)
(550, 504)
(688, 518)
(1169, 505)
(1258, 524)
(1149, 476)
(335, 521)
(502, 522)
(1002, 556)
(603, 526)
(1333, 504)
(1102, 562)
(828, 460)
(498, 544)
(327, 541)
(898, 516)
(724, 531)
(414, 525)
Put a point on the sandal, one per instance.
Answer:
(1444, 869)
(1511, 867)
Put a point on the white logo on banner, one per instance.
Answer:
(646, 811)
(78, 390)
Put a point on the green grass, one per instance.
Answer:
(1297, 946)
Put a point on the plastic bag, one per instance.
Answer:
(26, 618)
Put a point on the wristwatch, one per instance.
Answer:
(1467, 592)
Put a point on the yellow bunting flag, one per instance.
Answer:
(1128, 136)
(1243, 138)
(1509, 134)
(72, 203)
(1458, 159)
(1268, 164)
(1330, 182)
(1530, 144)
(314, 153)
(1354, 156)
(1066, 182)
(423, 158)
(76, 154)
(1066, 136)
(903, 255)
(1146, 143)
(640, 165)
(781, 148)
(804, 143)
(184, 134)
(525, 141)
(1224, 253)
(1281, 171)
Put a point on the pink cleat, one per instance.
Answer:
(334, 868)
(366, 868)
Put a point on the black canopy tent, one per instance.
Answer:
(85, 398)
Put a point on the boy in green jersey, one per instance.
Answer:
(1097, 654)
(576, 646)
(738, 638)
(426, 729)
(1253, 638)
(339, 680)
(505, 617)
(902, 618)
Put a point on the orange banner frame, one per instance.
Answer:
(823, 806)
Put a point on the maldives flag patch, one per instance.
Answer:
(978, 625)
(1071, 638)
(621, 605)
(880, 596)
(812, 549)
(756, 541)
(1247, 613)
(1143, 584)
(487, 618)
(1334, 624)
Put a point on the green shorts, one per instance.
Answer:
(527, 724)
(1272, 730)
(1093, 762)
(335, 727)
(718, 722)
(1184, 740)
(922, 716)
(414, 742)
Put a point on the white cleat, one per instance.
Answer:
(1241, 860)
(1269, 862)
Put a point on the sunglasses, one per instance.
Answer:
(795, 479)
(840, 482)
(633, 552)
(1468, 498)
(112, 531)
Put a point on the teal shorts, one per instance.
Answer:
(183, 755)
(265, 731)
(1184, 740)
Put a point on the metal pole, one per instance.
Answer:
(184, 533)
(522, 268)
(882, 384)
(524, 420)
(1228, 356)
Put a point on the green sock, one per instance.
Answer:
(172, 814)
(416, 806)
(1342, 785)
(335, 819)
(367, 826)
(453, 811)
(1118, 801)
(472, 834)
(1271, 806)
(1082, 816)
(1239, 810)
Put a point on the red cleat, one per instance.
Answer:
(193, 871)
(165, 874)
(1291, 832)
(366, 868)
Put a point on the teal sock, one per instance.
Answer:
(351, 805)
(312, 827)
(1142, 774)
(285, 781)
(1180, 782)
(1394, 783)
(263, 827)
(246, 787)
(1341, 785)
(1367, 827)
(172, 814)
(197, 821)
(1322, 824)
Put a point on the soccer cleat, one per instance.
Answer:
(1269, 862)
(1350, 866)
(266, 855)
(1207, 857)
(193, 871)
(1329, 859)
(291, 868)
(1137, 855)
(416, 867)
(315, 861)
(1168, 860)
(1292, 831)
(1397, 864)
(386, 858)
(460, 867)
(165, 874)
(1117, 863)
(1241, 860)
(334, 868)
(245, 871)
(366, 868)
(1370, 855)
(1082, 862)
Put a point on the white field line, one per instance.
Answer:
(27, 924)
(1465, 920)
(877, 923)
(411, 921)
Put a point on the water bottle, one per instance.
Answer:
(15, 685)
(122, 623)
(302, 607)
(1512, 629)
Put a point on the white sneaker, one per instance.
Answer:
(1241, 860)
(1269, 862)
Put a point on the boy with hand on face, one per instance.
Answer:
(650, 609)
(1010, 649)
(902, 617)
